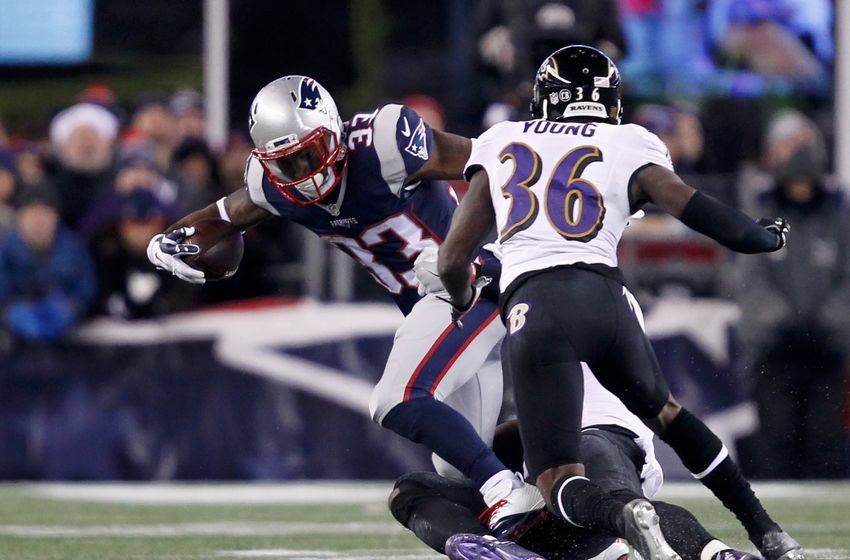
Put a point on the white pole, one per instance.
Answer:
(216, 70)
(842, 90)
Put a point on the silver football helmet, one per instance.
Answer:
(297, 134)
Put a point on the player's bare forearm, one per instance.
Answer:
(210, 211)
(472, 222)
(456, 275)
(242, 212)
(727, 225)
(450, 154)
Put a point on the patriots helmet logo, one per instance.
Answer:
(311, 96)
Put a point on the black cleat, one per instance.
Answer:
(644, 532)
(779, 545)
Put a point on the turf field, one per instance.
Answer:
(318, 521)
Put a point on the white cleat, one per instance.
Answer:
(644, 532)
(515, 501)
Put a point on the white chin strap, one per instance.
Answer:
(317, 185)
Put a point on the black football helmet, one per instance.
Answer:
(577, 81)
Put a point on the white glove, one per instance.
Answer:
(425, 269)
(166, 252)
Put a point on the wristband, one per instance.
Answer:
(222, 210)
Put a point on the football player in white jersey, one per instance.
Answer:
(560, 189)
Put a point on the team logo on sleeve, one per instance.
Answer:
(418, 145)
(311, 97)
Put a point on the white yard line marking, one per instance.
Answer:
(820, 528)
(201, 494)
(828, 553)
(217, 528)
(327, 492)
(833, 492)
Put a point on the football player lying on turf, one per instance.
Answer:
(617, 448)
(369, 186)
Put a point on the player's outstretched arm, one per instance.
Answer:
(242, 213)
(700, 212)
(472, 222)
(449, 155)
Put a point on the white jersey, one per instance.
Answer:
(560, 190)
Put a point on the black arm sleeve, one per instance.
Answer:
(727, 226)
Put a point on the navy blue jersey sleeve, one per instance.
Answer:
(403, 142)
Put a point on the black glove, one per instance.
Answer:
(458, 311)
(778, 227)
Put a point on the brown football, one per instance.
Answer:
(221, 248)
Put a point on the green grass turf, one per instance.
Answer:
(36, 524)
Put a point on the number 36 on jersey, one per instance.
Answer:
(573, 205)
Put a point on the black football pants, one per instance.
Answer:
(557, 319)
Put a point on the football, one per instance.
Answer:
(221, 248)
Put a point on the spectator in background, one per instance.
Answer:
(787, 132)
(46, 276)
(129, 289)
(795, 326)
(135, 170)
(668, 48)
(187, 110)
(779, 41)
(4, 137)
(8, 187)
(82, 139)
(30, 164)
(195, 171)
(101, 94)
(679, 128)
(513, 37)
(232, 162)
(153, 123)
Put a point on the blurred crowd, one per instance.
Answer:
(739, 91)
(78, 208)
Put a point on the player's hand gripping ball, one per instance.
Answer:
(209, 249)
(220, 248)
